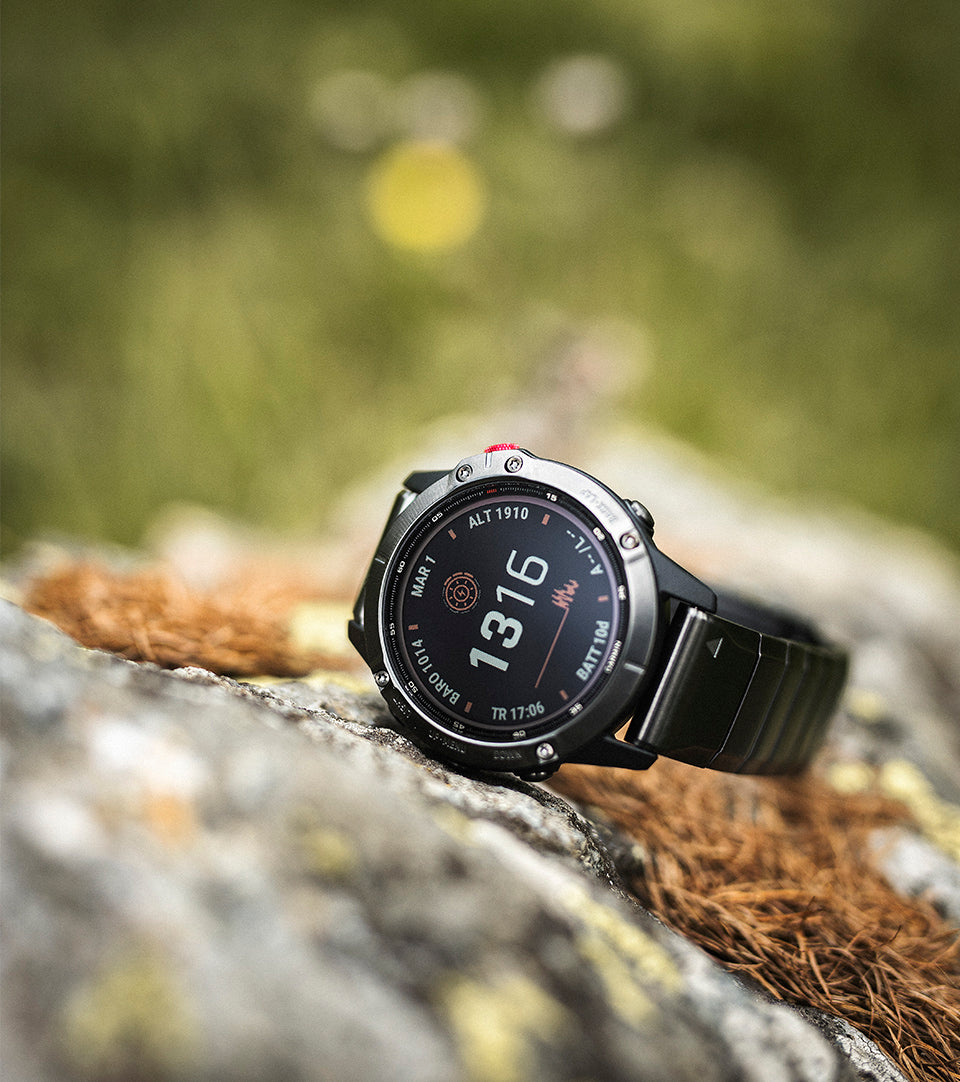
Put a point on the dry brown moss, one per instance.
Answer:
(241, 629)
(774, 879)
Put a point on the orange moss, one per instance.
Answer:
(774, 879)
(243, 629)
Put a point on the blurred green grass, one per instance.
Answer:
(196, 307)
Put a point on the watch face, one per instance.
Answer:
(504, 611)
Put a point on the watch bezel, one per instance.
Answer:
(604, 708)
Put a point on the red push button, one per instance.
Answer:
(501, 447)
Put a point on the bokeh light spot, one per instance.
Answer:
(583, 95)
(353, 108)
(440, 105)
(425, 196)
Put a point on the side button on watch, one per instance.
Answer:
(517, 615)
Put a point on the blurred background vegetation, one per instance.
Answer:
(250, 247)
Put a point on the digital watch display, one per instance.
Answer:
(506, 610)
(518, 615)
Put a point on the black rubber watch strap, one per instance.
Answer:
(738, 699)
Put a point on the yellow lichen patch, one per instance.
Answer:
(130, 1021)
(329, 853)
(454, 823)
(626, 959)
(10, 592)
(624, 994)
(320, 627)
(866, 706)
(852, 777)
(938, 820)
(495, 1024)
(357, 683)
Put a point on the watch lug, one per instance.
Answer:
(356, 631)
(607, 750)
(538, 773)
(355, 626)
(675, 581)
(405, 497)
(358, 639)
(420, 480)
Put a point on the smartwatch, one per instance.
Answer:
(517, 615)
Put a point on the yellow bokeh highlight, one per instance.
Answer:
(425, 196)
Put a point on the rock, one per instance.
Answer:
(917, 868)
(206, 880)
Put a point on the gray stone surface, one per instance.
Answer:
(917, 868)
(208, 880)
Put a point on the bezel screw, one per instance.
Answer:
(513, 464)
(545, 751)
(465, 471)
(630, 540)
(381, 679)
